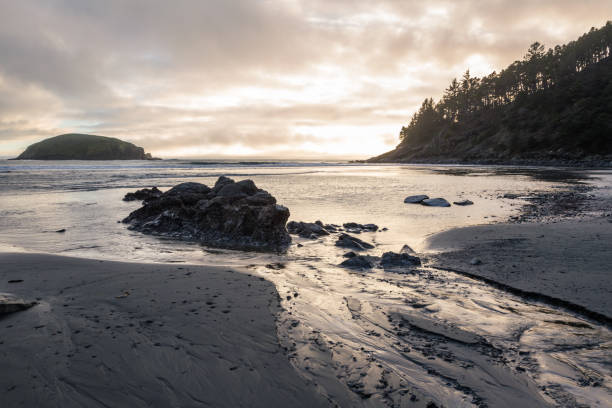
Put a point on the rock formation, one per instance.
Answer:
(235, 215)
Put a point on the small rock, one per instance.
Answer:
(436, 202)
(143, 194)
(311, 230)
(475, 261)
(350, 254)
(391, 259)
(407, 250)
(276, 266)
(415, 199)
(348, 241)
(360, 262)
(463, 202)
(61, 230)
(11, 304)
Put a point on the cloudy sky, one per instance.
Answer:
(260, 78)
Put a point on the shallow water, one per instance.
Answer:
(38, 198)
(383, 337)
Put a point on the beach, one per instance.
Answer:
(568, 261)
(124, 318)
(128, 334)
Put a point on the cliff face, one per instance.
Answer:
(74, 146)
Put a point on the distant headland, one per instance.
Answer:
(551, 107)
(76, 146)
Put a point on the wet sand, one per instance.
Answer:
(568, 260)
(126, 334)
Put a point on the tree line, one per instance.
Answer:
(540, 69)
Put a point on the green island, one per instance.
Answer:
(76, 146)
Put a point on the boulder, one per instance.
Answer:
(435, 202)
(463, 202)
(230, 215)
(12, 304)
(143, 194)
(415, 199)
(348, 241)
(360, 262)
(392, 259)
(311, 230)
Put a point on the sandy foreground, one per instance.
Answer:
(115, 334)
(126, 334)
(569, 261)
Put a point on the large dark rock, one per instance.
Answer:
(143, 194)
(230, 215)
(348, 241)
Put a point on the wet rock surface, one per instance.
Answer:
(361, 262)
(235, 215)
(356, 228)
(463, 202)
(415, 199)
(548, 206)
(307, 229)
(11, 304)
(435, 202)
(349, 241)
(388, 260)
(143, 194)
(392, 259)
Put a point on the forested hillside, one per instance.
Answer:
(553, 104)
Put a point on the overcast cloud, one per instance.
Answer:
(264, 78)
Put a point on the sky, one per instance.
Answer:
(255, 78)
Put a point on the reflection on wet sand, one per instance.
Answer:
(411, 335)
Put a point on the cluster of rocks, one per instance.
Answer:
(235, 215)
(355, 260)
(433, 202)
(388, 260)
(310, 230)
(356, 228)
(314, 230)
(238, 215)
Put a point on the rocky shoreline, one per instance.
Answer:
(585, 163)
